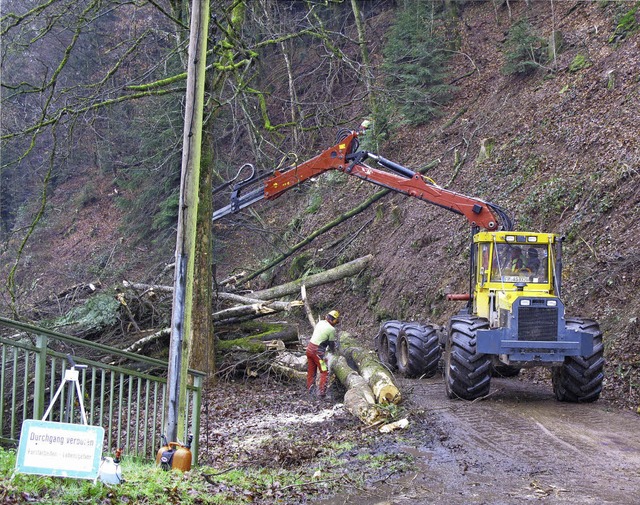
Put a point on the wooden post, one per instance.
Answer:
(187, 216)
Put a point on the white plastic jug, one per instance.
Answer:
(110, 471)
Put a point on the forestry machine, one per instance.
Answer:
(513, 317)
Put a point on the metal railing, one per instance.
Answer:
(128, 402)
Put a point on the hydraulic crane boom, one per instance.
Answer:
(345, 157)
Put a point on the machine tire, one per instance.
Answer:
(505, 371)
(467, 373)
(418, 350)
(579, 379)
(386, 342)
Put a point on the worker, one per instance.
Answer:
(533, 262)
(516, 263)
(324, 336)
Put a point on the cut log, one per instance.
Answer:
(337, 273)
(371, 370)
(295, 361)
(359, 399)
(232, 297)
(307, 306)
(158, 288)
(243, 310)
(274, 330)
(290, 373)
(250, 345)
(233, 279)
(84, 287)
(261, 308)
(139, 345)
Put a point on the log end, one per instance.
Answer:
(389, 394)
(359, 405)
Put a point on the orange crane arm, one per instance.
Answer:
(403, 180)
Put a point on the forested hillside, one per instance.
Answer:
(532, 105)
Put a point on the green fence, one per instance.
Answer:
(129, 402)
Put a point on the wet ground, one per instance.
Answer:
(519, 445)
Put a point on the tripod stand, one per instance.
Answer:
(70, 378)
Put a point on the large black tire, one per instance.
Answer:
(467, 373)
(385, 342)
(579, 379)
(505, 371)
(418, 350)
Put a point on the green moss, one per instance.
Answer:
(579, 62)
(315, 201)
(396, 214)
(379, 212)
(552, 198)
(524, 49)
(301, 265)
(100, 311)
(249, 344)
(627, 25)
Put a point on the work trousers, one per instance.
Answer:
(315, 364)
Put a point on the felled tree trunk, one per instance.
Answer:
(288, 333)
(232, 297)
(337, 273)
(358, 399)
(371, 370)
(294, 361)
(250, 344)
(288, 372)
(244, 310)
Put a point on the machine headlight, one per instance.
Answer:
(525, 302)
(552, 303)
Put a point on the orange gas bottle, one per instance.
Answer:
(182, 458)
(175, 456)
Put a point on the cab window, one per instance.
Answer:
(520, 263)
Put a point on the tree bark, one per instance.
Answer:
(145, 288)
(140, 344)
(346, 270)
(203, 349)
(255, 309)
(267, 331)
(183, 314)
(290, 373)
(359, 399)
(250, 345)
(371, 370)
(247, 301)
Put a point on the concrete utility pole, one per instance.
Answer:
(186, 238)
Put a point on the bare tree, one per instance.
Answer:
(98, 86)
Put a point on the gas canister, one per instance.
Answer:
(175, 456)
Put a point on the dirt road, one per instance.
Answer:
(519, 445)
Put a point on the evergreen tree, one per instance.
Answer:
(415, 63)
